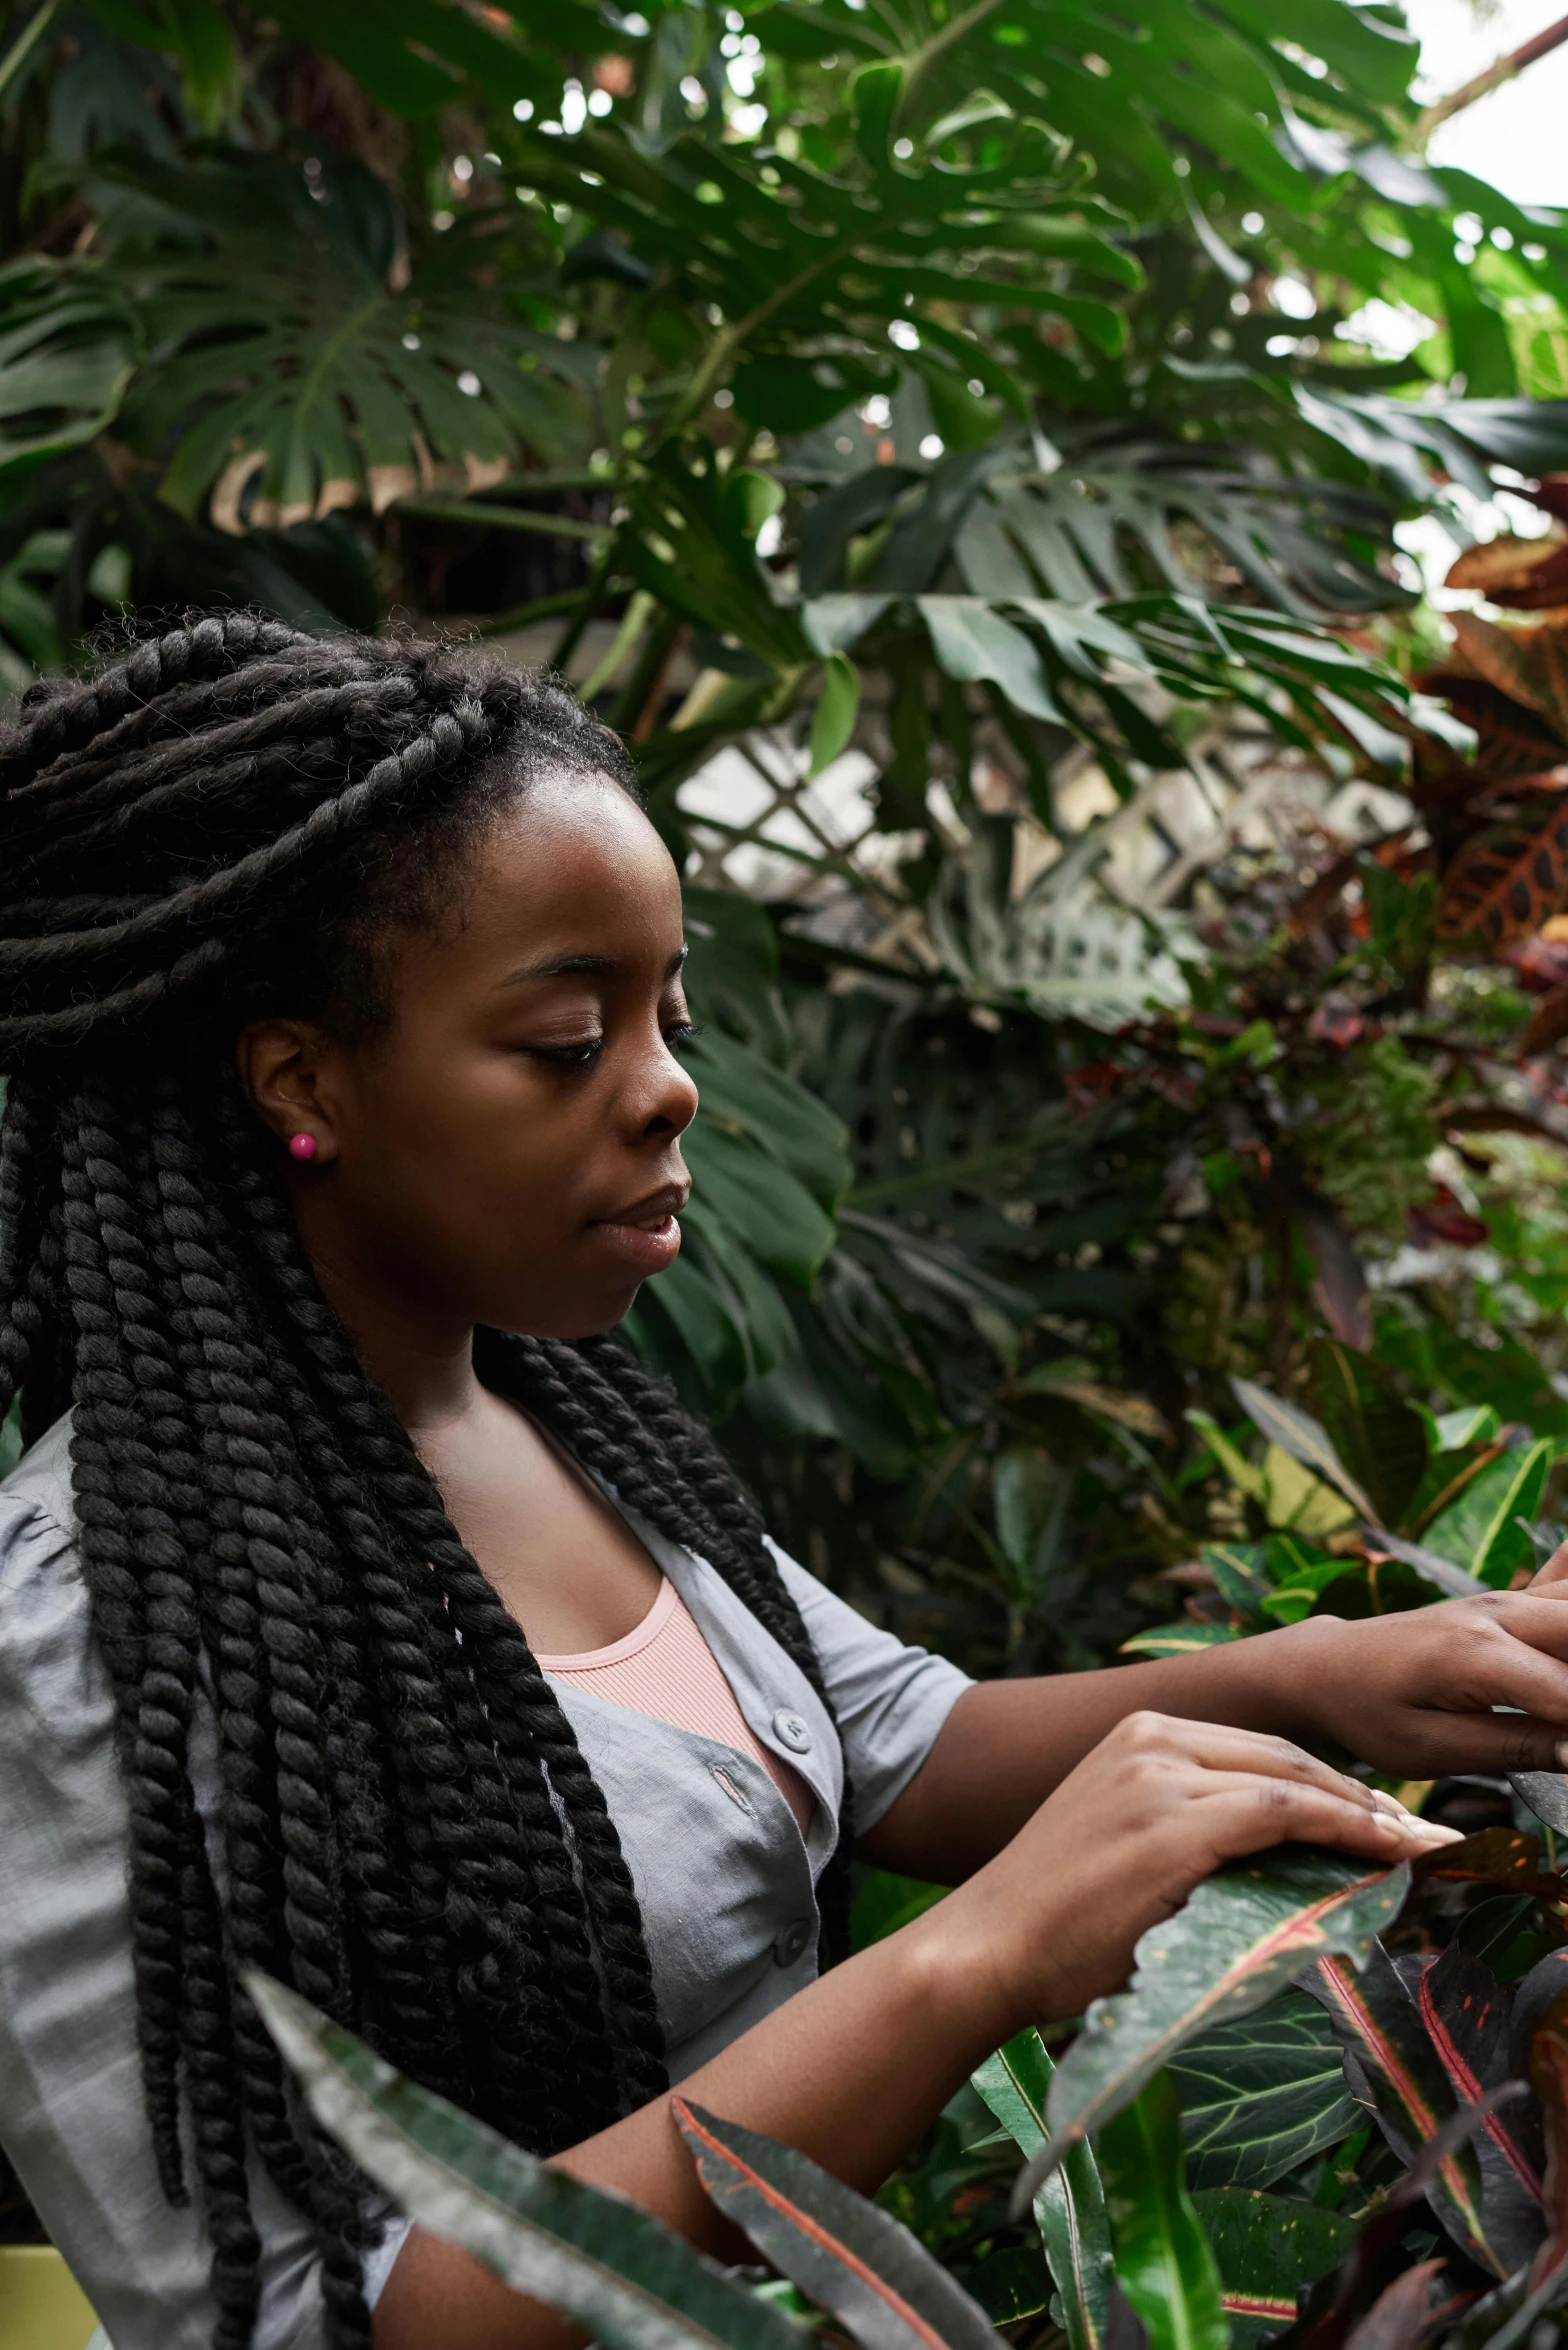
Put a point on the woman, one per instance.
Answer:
(367, 1615)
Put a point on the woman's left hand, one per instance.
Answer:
(1416, 1692)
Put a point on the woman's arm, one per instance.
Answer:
(1411, 1693)
(854, 2068)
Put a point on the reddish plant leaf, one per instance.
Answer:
(1523, 575)
(849, 2255)
(1465, 2011)
(1518, 661)
(1401, 2313)
(1392, 2065)
(1549, 2079)
(1508, 878)
(1505, 1857)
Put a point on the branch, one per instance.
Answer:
(1501, 69)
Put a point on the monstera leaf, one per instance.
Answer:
(289, 370)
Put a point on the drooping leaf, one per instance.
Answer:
(1070, 2206)
(617, 2270)
(67, 350)
(1265, 2247)
(1235, 1942)
(1466, 2014)
(1164, 2264)
(849, 2255)
(1262, 2095)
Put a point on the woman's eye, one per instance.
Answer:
(569, 1056)
(681, 1032)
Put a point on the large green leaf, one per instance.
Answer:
(1235, 1942)
(1163, 2261)
(621, 2273)
(1262, 2095)
(852, 2257)
(1070, 2206)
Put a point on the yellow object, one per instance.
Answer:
(42, 2307)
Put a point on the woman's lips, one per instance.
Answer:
(646, 1239)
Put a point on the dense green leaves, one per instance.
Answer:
(1266, 2248)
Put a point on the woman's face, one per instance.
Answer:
(507, 1150)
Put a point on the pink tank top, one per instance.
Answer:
(666, 1668)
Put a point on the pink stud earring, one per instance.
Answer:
(303, 1146)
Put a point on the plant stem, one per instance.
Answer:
(1501, 69)
(552, 526)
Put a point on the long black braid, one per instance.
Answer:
(217, 826)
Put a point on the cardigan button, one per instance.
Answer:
(791, 1731)
(790, 1941)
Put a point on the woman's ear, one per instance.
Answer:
(282, 1066)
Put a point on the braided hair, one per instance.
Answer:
(218, 825)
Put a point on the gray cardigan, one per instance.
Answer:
(725, 1880)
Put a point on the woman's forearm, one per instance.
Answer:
(1007, 1744)
(851, 2071)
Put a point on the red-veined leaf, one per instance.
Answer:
(853, 2258)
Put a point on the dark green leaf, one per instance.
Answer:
(1262, 2095)
(1265, 2248)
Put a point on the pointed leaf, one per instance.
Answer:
(849, 2255)
(623, 2274)
(1481, 1531)
(1163, 2262)
(1234, 1944)
(1070, 2207)
(972, 641)
(1465, 2011)
(1306, 1441)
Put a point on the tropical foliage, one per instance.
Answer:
(967, 450)
(1367, 2153)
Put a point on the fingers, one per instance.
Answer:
(1248, 1814)
(1553, 1577)
(1217, 1747)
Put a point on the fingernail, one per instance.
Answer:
(1433, 1834)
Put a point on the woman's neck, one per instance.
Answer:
(423, 1362)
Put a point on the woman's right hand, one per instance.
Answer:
(1157, 1806)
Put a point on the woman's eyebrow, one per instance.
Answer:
(570, 966)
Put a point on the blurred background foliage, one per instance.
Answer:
(967, 450)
